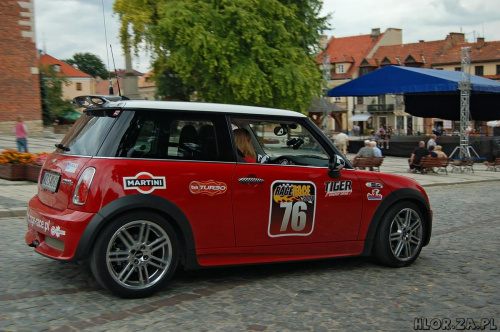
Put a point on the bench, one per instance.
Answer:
(462, 165)
(493, 166)
(373, 163)
(429, 163)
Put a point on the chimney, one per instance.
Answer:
(480, 41)
(375, 32)
(323, 42)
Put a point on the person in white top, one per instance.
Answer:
(376, 149)
(342, 142)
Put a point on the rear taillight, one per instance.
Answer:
(82, 188)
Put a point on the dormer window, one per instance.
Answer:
(57, 68)
(340, 69)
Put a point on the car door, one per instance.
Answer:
(289, 203)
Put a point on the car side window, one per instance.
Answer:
(283, 142)
(193, 139)
(171, 135)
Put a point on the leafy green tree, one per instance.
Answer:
(53, 106)
(90, 64)
(232, 51)
(170, 87)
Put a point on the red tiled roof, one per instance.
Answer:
(349, 50)
(66, 69)
(146, 81)
(422, 54)
(480, 51)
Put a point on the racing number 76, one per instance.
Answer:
(294, 215)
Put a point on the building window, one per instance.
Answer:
(359, 100)
(340, 69)
(479, 70)
(78, 86)
(458, 69)
(337, 99)
(498, 70)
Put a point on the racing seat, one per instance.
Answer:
(208, 143)
(188, 142)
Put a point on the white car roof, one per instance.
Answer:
(203, 107)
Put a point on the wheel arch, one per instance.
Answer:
(403, 194)
(163, 207)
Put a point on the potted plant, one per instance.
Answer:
(12, 164)
(32, 170)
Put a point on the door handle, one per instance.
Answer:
(250, 180)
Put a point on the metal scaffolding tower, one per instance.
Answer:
(464, 150)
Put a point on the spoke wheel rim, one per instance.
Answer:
(405, 234)
(139, 254)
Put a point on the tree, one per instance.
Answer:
(53, 106)
(90, 64)
(244, 52)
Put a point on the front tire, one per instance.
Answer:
(400, 235)
(135, 255)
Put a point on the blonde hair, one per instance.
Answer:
(244, 143)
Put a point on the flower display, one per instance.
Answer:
(11, 156)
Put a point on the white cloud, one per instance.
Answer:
(423, 20)
(66, 27)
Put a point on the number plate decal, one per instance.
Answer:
(50, 181)
(293, 208)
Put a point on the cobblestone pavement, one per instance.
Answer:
(456, 277)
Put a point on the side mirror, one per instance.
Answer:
(335, 164)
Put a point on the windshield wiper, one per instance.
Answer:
(62, 147)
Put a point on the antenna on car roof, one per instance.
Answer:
(116, 73)
(107, 54)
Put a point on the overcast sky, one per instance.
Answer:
(66, 27)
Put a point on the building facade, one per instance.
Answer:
(19, 82)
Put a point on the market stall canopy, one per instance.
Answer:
(320, 104)
(427, 92)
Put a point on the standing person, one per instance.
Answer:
(21, 135)
(342, 142)
(416, 156)
(431, 141)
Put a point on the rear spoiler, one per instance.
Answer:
(95, 101)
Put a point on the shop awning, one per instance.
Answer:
(360, 117)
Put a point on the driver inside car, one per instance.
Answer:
(244, 145)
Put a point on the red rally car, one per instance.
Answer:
(138, 188)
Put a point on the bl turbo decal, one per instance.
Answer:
(209, 187)
(293, 208)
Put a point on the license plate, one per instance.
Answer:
(50, 181)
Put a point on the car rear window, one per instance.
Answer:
(89, 132)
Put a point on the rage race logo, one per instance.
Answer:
(144, 182)
(293, 207)
(209, 187)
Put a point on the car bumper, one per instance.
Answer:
(54, 233)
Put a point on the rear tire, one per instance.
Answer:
(400, 236)
(135, 255)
